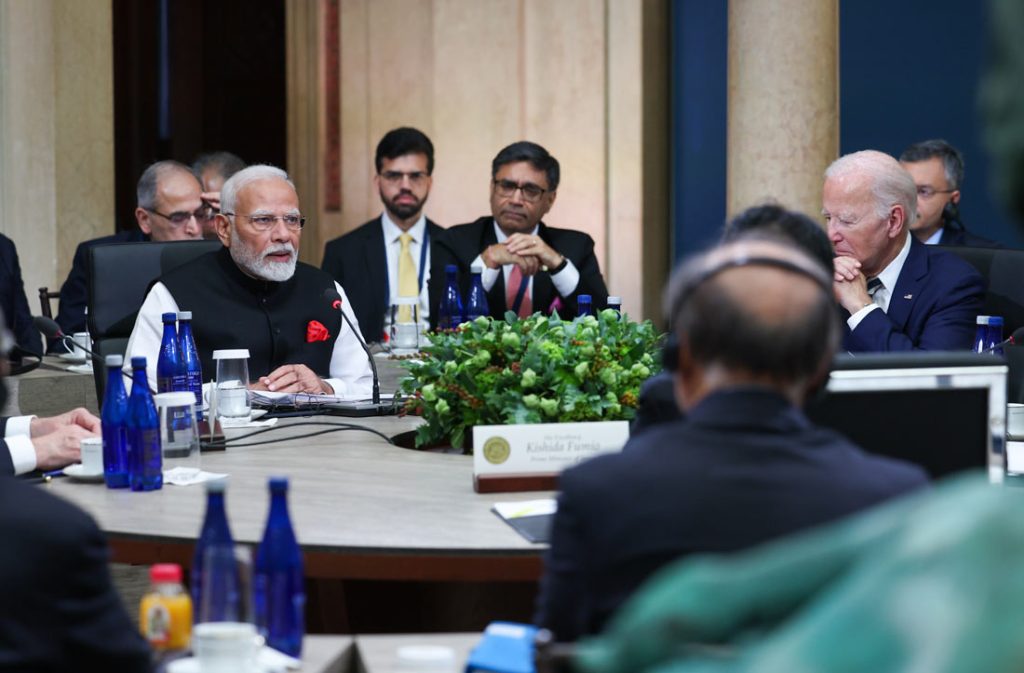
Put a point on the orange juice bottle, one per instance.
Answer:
(165, 614)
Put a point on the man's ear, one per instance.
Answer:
(142, 217)
(223, 227)
(955, 196)
(897, 221)
(689, 377)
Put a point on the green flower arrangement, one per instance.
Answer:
(535, 370)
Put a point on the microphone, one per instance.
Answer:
(331, 295)
(51, 330)
(1012, 340)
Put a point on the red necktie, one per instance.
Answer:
(515, 280)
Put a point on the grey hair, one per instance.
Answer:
(145, 190)
(229, 192)
(891, 184)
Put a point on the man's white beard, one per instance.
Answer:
(254, 262)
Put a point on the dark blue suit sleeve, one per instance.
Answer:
(6, 464)
(17, 312)
(947, 325)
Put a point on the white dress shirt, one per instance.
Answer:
(350, 373)
(565, 281)
(19, 443)
(890, 274)
(393, 247)
(934, 238)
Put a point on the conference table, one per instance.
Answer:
(361, 507)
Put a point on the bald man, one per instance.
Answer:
(746, 465)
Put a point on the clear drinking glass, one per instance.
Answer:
(232, 389)
(179, 437)
(405, 325)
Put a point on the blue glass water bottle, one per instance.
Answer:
(113, 421)
(476, 306)
(220, 601)
(278, 584)
(994, 339)
(584, 305)
(145, 462)
(190, 360)
(170, 372)
(449, 313)
(615, 304)
(981, 334)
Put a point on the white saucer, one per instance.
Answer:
(229, 422)
(78, 473)
(78, 358)
(191, 665)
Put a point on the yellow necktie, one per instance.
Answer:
(408, 285)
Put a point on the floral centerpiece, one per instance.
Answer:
(534, 370)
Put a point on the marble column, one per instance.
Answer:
(783, 126)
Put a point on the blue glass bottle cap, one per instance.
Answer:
(169, 317)
(450, 268)
(995, 320)
(278, 483)
(184, 315)
(138, 362)
(583, 297)
(476, 268)
(114, 360)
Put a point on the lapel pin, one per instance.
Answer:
(908, 296)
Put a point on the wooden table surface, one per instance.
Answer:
(362, 509)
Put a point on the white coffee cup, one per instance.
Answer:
(225, 647)
(83, 340)
(92, 455)
(1015, 420)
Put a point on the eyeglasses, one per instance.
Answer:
(926, 192)
(396, 177)
(180, 218)
(507, 189)
(263, 222)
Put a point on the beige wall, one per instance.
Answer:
(56, 131)
(476, 76)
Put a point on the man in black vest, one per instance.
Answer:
(526, 265)
(254, 294)
(389, 256)
(169, 208)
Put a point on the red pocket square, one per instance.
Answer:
(315, 331)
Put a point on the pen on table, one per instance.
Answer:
(47, 476)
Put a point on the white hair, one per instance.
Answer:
(234, 184)
(891, 184)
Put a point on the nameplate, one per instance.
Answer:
(530, 457)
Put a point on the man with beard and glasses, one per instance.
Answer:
(253, 293)
(389, 256)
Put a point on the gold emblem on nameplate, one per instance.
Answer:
(496, 450)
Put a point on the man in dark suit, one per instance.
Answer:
(389, 256)
(938, 171)
(59, 611)
(526, 265)
(745, 467)
(13, 300)
(169, 209)
(899, 294)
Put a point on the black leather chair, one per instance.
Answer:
(120, 275)
(1003, 271)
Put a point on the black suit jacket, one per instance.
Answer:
(74, 293)
(6, 464)
(745, 467)
(461, 244)
(59, 610)
(359, 262)
(957, 236)
(17, 314)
